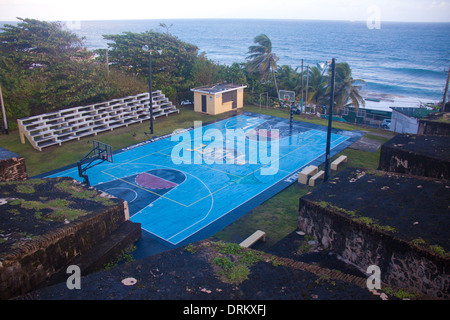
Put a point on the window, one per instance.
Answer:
(230, 96)
(361, 113)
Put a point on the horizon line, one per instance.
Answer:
(269, 19)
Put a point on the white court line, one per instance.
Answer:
(135, 193)
(211, 194)
(193, 224)
(212, 198)
(240, 177)
(143, 188)
(290, 173)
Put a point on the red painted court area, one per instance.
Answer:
(150, 181)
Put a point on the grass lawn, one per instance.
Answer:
(55, 157)
(277, 216)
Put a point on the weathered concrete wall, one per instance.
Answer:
(34, 261)
(435, 124)
(401, 264)
(12, 166)
(433, 128)
(426, 156)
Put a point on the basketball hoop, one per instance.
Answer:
(287, 96)
(100, 151)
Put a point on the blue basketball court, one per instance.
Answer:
(188, 185)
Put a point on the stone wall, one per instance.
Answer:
(401, 264)
(427, 156)
(12, 166)
(435, 124)
(433, 128)
(32, 262)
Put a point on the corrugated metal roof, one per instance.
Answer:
(218, 87)
(417, 113)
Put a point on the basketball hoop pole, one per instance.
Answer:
(101, 152)
(292, 115)
(288, 98)
(330, 120)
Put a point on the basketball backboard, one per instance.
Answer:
(287, 96)
(102, 151)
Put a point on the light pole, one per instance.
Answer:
(146, 48)
(444, 99)
(330, 120)
(5, 122)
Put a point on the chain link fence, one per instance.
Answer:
(362, 116)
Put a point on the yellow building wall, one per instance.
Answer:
(214, 104)
(240, 98)
(221, 107)
(210, 102)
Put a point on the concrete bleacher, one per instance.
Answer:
(60, 126)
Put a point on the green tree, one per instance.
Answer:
(236, 73)
(289, 79)
(317, 86)
(37, 67)
(171, 70)
(165, 26)
(346, 90)
(44, 67)
(35, 44)
(261, 59)
(205, 71)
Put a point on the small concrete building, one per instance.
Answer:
(406, 120)
(218, 98)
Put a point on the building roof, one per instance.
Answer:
(417, 113)
(218, 87)
(6, 154)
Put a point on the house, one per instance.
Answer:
(366, 115)
(406, 120)
(218, 98)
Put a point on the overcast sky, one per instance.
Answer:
(353, 10)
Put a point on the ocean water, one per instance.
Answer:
(407, 60)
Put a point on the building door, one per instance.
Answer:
(203, 103)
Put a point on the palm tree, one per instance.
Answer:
(346, 88)
(317, 86)
(262, 60)
(289, 78)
